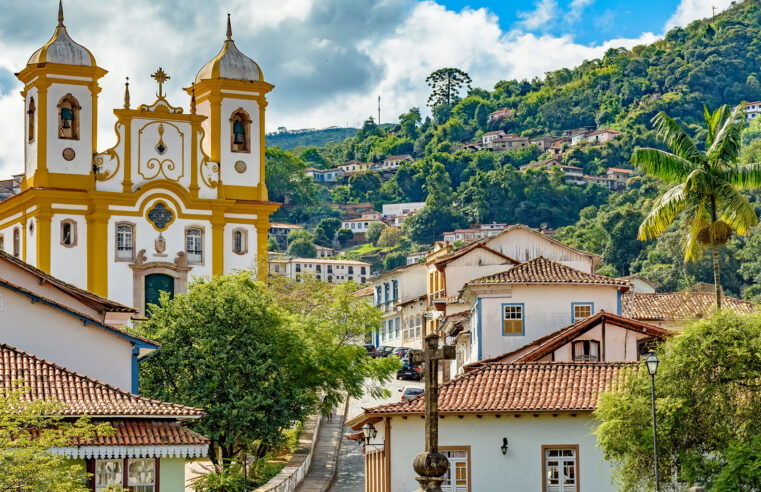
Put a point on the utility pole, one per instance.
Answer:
(713, 12)
(378, 110)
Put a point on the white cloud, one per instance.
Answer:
(690, 10)
(544, 12)
(576, 9)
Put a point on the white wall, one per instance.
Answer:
(546, 308)
(69, 264)
(235, 261)
(252, 159)
(31, 241)
(523, 245)
(475, 264)
(31, 147)
(520, 469)
(60, 338)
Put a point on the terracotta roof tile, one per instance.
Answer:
(540, 270)
(518, 387)
(80, 394)
(146, 432)
(678, 305)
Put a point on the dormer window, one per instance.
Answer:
(68, 118)
(240, 128)
(586, 351)
(30, 118)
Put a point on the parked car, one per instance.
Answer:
(384, 351)
(371, 351)
(400, 352)
(410, 371)
(411, 392)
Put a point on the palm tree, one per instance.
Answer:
(707, 184)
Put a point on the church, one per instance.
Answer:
(181, 194)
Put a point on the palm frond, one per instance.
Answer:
(735, 209)
(725, 145)
(664, 211)
(699, 219)
(745, 177)
(701, 181)
(674, 136)
(661, 164)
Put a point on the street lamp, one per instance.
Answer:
(369, 432)
(651, 361)
(504, 446)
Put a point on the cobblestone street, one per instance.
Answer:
(350, 472)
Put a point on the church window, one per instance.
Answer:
(16, 242)
(68, 233)
(68, 118)
(240, 241)
(30, 112)
(194, 244)
(125, 241)
(240, 131)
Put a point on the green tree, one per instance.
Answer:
(321, 237)
(257, 358)
(330, 225)
(302, 248)
(374, 231)
(286, 179)
(313, 157)
(365, 185)
(389, 237)
(445, 84)
(707, 402)
(272, 244)
(29, 428)
(344, 236)
(340, 194)
(707, 184)
(394, 260)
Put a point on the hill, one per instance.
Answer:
(308, 138)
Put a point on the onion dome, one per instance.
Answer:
(230, 63)
(62, 49)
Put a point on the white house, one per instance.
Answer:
(355, 167)
(489, 137)
(359, 225)
(402, 285)
(519, 305)
(522, 426)
(394, 209)
(328, 269)
(394, 162)
(416, 257)
(325, 176)
(69, 326)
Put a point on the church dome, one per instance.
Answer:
(230, 63)
(62, 49)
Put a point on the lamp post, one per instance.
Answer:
(651, 361)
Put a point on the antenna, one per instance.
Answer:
(379, 110)
(713, 12)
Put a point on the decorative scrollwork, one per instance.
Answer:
(210, 173)
(105, 169)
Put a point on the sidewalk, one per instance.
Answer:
(323, 467)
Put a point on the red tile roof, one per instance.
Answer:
(80, 394)
(678, 305)
(541, 270)
(529, 387)
(146, 432)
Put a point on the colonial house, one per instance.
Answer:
(542, 143)
(673, 310)
(416, 257)
(501, 114)
(477, 231)
(354, 167)
(280, 231)
(641, 284)
(324, 251)
(357, 210)
(151, 443)
(325, 176)
(69, 326)
(394, 209)
(521, 304)
(400, 287)
(528, 425)
(618, 176)
(601, 136)
(394, 162)
(572, 174)
(489, 137)
(359, 225)
(511, 141)
(328, 269)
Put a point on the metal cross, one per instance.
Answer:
(160, 76)
(431, 465)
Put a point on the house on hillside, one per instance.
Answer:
(359, 226)
(528, 425)
(752, 110)
(355, 166)
(325, 176)
(489, 137)
(69, 326)
(151, 444)
(331, 270)
(416, 257)
(511, 141)
(394, 162)
(501, 114)
(280, 231)
(357, 210)
(542, 143)
(618, 176)
(393, 209)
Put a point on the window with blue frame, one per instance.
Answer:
(378, 294)
(397, 327)
(386, 292)
(513, 319)
(581, 310)
(383, 331)
(395, 290)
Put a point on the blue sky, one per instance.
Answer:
(328, 59)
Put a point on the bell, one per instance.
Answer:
(238, 140)
(66, 124)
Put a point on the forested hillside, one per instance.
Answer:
(711, 62)
(308, 138)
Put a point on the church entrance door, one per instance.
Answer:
(155, 284)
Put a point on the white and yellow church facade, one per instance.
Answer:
(181, 194)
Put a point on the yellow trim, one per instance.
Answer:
(97, 253)
(238, 192)
(127, 178)
(125, 114)
(217, 244)
(262, 156)
(215, 85)
(262, 235)
(44, 243)
(31, 74)
(215, 133)
(153, 204)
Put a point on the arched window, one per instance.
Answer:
(240, 241)
(194, 244)
(68, 118)
(240, 131)
(30, 120)
(16, 242)
(68, 233)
